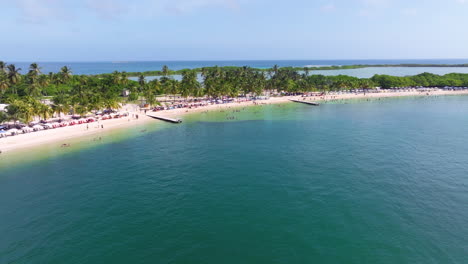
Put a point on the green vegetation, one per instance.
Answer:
(35, 94)
(310, 69)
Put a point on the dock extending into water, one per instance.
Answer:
(167, 119)
(305, 102)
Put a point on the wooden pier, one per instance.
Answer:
(167, 119)
(305, 102)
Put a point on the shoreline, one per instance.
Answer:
(57, 136)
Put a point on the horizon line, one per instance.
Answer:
(221, 60)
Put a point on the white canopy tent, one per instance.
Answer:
(27, 129)
(38, 127)
(13, 131)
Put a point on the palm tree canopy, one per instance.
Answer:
(34, 69)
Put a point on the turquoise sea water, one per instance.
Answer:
(380, 181)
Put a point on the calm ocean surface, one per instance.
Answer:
(140, 66)
(383, 181)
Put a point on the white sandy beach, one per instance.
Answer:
(60, 135)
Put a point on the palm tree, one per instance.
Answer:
(173, 86)
(165, 70)
(124, 78)
(4, 84)
(3, 69)
(34, 69)
(44, 111)
(116, 77)
(65, 74)
(141, 81)
(13, 75)
(306, 71)
(43, 80)
(111, 103)
(23, 110)
(61, 103)
(189, 83)
(33, 89)
(165, 78)
(275, 69)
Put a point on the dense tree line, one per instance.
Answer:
(27, 93)
(309, 68)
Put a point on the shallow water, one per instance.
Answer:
(382, 181)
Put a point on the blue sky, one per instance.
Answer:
(97, 30)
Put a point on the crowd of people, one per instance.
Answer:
(16, 128)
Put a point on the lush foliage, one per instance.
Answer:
(310, 69)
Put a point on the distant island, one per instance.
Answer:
(310, 69)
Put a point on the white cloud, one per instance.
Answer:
(372, 8)
(107, 9)
(328, 7)
(377, 3)
(39, 11)
(409, 11)
(188, 6)
(364, 12)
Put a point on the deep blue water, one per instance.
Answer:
(139, 66)
(383, 181)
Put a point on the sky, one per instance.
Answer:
(132, 30)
